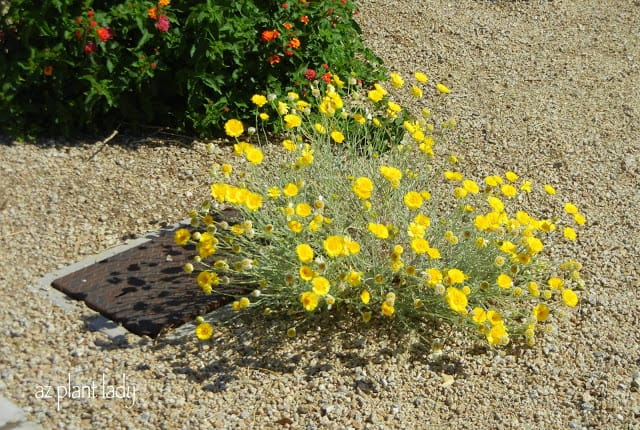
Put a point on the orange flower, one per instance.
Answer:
(294, 43)
(287, 25)
(48, 71)
(153, 13)
(274, 59)
(269, 35)
(327, 77)
(304, 19)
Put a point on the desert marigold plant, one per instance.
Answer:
(359, 216)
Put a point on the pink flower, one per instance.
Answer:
(163, 24)
(310, 75)
(90, 47)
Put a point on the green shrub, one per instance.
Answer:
(67, 66)
(400, 237)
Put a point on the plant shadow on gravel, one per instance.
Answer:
(335, 344)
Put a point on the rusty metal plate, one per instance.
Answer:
(144, 288)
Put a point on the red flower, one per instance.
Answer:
(269, 35)
(90, 47)
(274, 59)
(90, 13)
(79, 20)
(325, 66)
(48, 71)
(330, 11)
(163, 24)
(288, 53)
(310, 75)
(285, 5)
(304, 19)
(294, 43)
(327, 77)
(154, 65)
(287, 25)
(104, 34)
(93, 24)
(78, 34)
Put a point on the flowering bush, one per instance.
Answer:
(69, 65)
(396, 236)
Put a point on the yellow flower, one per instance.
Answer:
(321, 285)
(504, 281)
(334, 246)
(282, 109)
(549, 189)
(362, 187)
(422, 220)
(569, 233)
(456, 300)
(182, 236)
(354, 278)
(416, 91)
(233, 128)
(292, 121)
(569, 297)
(433, 253)
(413, 200)
(204, 331)
(470, 186)
(442, 88)
(495, 203)
(541, 312)
(264, 116)
(392, 175)
(290, 190)
(306, 273)
(254, 155)
(555, 283)
(415, 230)
(273, 192)
(351, 246)
(455, 276)
(289, 145)
(498, 335)
(359, 118)
(433, 276)
(396, 80)
(535, 245)
(493, 181)
(452, 176)
(365, 297)
(379, 230)
(253, 201)
(259, 100)
(337, 136)
(304, 252)
(320, 128)
(375, 95)
(508, 190)
(478, 315)
(295, 226)
(511, 176)
(421, 77)
(309, 300)
(494, 317)
(303, 210)
(387, 309)
(419, 245)
(579, 219)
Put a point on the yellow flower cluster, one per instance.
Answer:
(367, 226)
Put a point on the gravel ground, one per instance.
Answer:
(548, 89)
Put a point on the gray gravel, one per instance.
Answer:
(548, 89)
